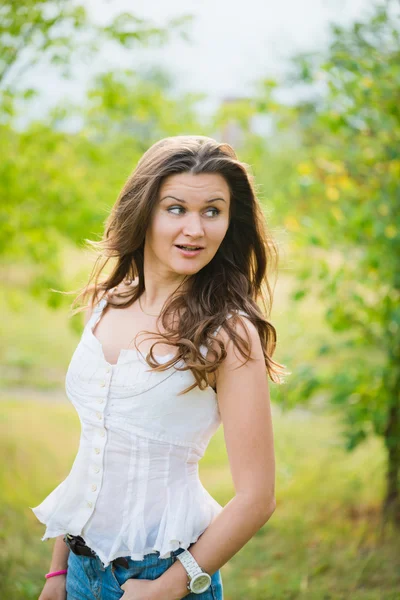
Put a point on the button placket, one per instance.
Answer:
(97, 468)
(95, 479)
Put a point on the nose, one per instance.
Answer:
(193, 226)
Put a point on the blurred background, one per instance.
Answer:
(308, 95)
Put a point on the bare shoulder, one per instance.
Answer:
(243, 326)
(118, 295)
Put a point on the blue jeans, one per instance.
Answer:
(88, 579)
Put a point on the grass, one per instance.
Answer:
(323, 542)
(37, 343)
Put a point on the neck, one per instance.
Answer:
(157, 291)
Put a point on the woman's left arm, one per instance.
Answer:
(244, 404)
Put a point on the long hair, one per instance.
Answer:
(235, 279)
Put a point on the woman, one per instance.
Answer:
(189, 251)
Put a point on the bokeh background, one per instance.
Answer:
(308, 95)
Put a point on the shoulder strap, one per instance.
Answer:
(100, 305)
(240, 312)
(96, 312)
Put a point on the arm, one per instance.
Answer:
(244, 402)
(61, 552)
(55, 587)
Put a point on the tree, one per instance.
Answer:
(57, 31)
(346, 217)
(55, 185)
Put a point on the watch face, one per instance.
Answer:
(200, 583)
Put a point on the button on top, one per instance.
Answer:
(102, 433)
(90, 504)
(101, 400)
(102, 384)
(97, 450)
(94, 487)
(96, 469)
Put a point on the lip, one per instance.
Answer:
(191, 246)
(189, 253)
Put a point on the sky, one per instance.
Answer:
(233, 43)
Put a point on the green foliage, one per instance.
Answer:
(33, 30)
(56, 185)
(54, 32)
(127, 107)
(345, 219)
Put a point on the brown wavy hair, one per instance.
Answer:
(235, 279)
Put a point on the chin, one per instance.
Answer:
(189, 270)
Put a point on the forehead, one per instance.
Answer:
(200, 185)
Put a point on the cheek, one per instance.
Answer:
(218, 232)
(161, 231)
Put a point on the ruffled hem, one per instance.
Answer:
(141, 555)
(185, 517)
(172, 545)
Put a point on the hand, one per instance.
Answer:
(141, 589)
(54, 588)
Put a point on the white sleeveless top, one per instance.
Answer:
(134, 486)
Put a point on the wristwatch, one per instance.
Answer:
(199, 580)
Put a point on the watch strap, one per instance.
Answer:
(189, 563)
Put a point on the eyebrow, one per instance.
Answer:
(184, 201)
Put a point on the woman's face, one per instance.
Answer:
(192, 210)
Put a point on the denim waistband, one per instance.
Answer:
(78, 546)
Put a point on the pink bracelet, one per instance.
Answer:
(53, 573)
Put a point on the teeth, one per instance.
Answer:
(189, 248)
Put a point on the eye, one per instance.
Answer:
(217, 211)
(171, 208)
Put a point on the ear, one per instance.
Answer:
(122, 290)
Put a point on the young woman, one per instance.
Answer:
(174, 345)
